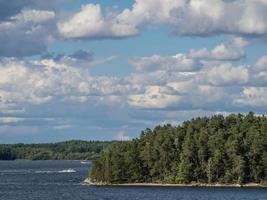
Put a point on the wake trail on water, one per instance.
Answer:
(23, 172)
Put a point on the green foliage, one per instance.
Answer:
(183, 175)
(6, 153)
(69, 150)
(219, 149)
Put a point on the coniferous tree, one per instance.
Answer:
(218, 149)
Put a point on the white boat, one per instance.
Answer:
(85, 162)
(67, 171)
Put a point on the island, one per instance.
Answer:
(206, 151)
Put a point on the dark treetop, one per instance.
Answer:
(219, 149)
(69, 150)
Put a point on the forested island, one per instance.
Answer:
(215, 150)
(69, 150)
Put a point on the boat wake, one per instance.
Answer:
(61, 171)
(23, 172)
(67, 171)
(85, 162)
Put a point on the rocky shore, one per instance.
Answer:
(216, 185)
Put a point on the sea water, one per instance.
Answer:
(56, 180)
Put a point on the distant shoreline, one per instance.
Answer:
(201, 185)
(48, 160)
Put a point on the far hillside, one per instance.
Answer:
(68, 150)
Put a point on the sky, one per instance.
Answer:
(105, 70)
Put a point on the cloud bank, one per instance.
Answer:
(46, 91)
(194, 17)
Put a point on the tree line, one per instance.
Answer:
(231, 149)
(68, 150)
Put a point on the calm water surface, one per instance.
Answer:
(49, 180)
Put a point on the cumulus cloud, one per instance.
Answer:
(27, 33)
(231, 50)
(42, 81)
(218, 17)
(185, 81)
(158, 82)
(90, 23)
(13, 7)
(227, 74)
(34, 23)
(252, 96)
(261, 64)
(258, 72)
(60, 90)
(155, 97)
(194, 17)
(33, 16)
(179, 62)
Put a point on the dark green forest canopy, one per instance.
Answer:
(69, 150)
(218, 149)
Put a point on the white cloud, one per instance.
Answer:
(89, 22)
(258, 72)
(220, 52)
(240, 17)
(226, 74)
(168, 83)
(34, 16)
(194, 17)
(63, 84)
(252, 96)
(261, 64)
(253, 18)
(61, 92)
(43, 81)
(27, 33)
(155, 97)
(158, 88)
(12, 7)
(230, 50)
(149, 78)
(177, 63)
(182, 87)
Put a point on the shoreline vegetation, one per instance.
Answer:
(201, 185)
(68, 150)
(211, 151)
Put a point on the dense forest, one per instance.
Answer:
(69, 150)
(218, 149)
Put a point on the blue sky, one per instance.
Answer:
(104, 70)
